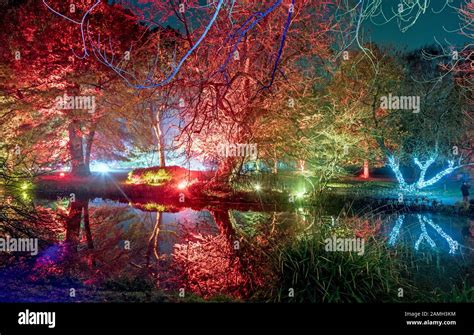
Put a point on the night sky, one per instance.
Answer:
(428, 27)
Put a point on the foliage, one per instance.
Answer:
(317, 275)
(149, 176)
(155, 207)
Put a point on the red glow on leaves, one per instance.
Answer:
(210, 266)
(365, 229)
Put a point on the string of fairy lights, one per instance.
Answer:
(423, 220)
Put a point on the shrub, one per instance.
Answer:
(150, 176)
(154, 207)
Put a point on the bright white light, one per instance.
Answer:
(182, 185)
(300, 194)
(102, 168)
(258, 187)
(421, 183)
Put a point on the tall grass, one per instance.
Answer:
(317, 275)
(304, 267)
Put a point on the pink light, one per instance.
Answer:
(61, 174)
(366, 173)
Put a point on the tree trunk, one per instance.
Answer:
(225, 170)
(89, 141)
(366, 173)
(76, 151)
(159, 138)
(162, 146)
(153, 247)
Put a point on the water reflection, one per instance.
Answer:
(175, 248)
(418, 225)
(207, 250)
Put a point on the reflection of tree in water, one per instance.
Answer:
(424, 236)
(211, 265)
(20, 219)
(152, 249)
(185, 227)
(232, 262)
(93, 249)
(205, 252)
(438, 258)
(62, 258)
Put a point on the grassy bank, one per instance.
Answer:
(381, 274)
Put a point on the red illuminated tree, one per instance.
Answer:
(46, 55)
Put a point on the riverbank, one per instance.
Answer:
(350, 194)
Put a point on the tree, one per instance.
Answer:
(356, 89)
(221, 78)
(45, 55)
(438, 132)
(422, 134)
(248, 72)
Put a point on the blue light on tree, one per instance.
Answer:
(396, 230)
(421, 182)
(424, 236)
(453, 245)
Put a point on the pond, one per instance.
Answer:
(102, 250)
